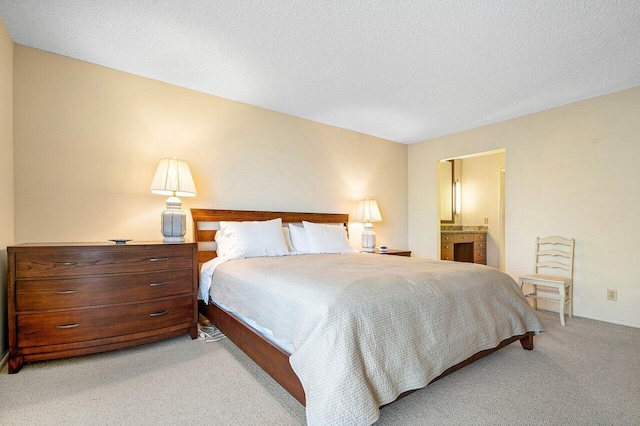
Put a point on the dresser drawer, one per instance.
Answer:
(446, 255)
(479, 256)
(479, 237)
(95, 291)
(446, 238)
(446, 250)
(479, 245)
(463, 238)
(94, 323)
(68, 263)
(446, 247)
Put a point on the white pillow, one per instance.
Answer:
(252, 239)
(287, 238)
(222, 242)
(327, 238)
(298, 239)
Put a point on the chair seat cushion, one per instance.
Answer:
(550, 279)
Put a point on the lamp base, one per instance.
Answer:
(173, 240)
(174, 222)
(368, 239)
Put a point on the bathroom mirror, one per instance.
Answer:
(447, 185)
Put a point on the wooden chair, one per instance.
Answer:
(553, 273)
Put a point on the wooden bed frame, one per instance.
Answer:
(269, 357)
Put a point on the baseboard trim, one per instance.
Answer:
(609, 320)
(553, 307)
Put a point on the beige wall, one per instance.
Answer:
(88, 140)
(6, 172)
(570, 171)
(480, 187)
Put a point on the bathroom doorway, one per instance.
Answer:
(480, 183)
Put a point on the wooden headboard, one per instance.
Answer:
(206, 224)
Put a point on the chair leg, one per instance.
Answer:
(535, 299)
(522, 290)
(570, 300)
(562, 300)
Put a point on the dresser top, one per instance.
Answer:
(101, 244)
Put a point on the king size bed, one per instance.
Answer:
(346, 333)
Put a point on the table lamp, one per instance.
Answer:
(368, 212)
(173, 178)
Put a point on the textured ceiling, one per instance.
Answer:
(401, 70)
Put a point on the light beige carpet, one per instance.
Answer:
(587, 373)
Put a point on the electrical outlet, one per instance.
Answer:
(486, 220)
(612, 294)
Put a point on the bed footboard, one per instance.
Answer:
(271, 359)
(276, 362)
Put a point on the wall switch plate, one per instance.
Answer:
(612, 294)
(486, 220)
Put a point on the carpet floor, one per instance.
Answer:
(587, 373)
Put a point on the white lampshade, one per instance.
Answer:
(173, 178)
(368, 211)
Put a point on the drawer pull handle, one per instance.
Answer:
(158, 259)
(65, 263)
(158, 314)
(158, 284)
(67, 326)
(67, 292)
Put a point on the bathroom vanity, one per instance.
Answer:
(464, 244)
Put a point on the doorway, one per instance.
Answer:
(481, 192)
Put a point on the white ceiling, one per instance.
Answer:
(404, 70)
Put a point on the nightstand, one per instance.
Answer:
(392, 252)
(68, 299)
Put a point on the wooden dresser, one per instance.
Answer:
(73, 299)
(463, 247)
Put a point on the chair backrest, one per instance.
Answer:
(554, 256)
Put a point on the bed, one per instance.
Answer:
(286, 365)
